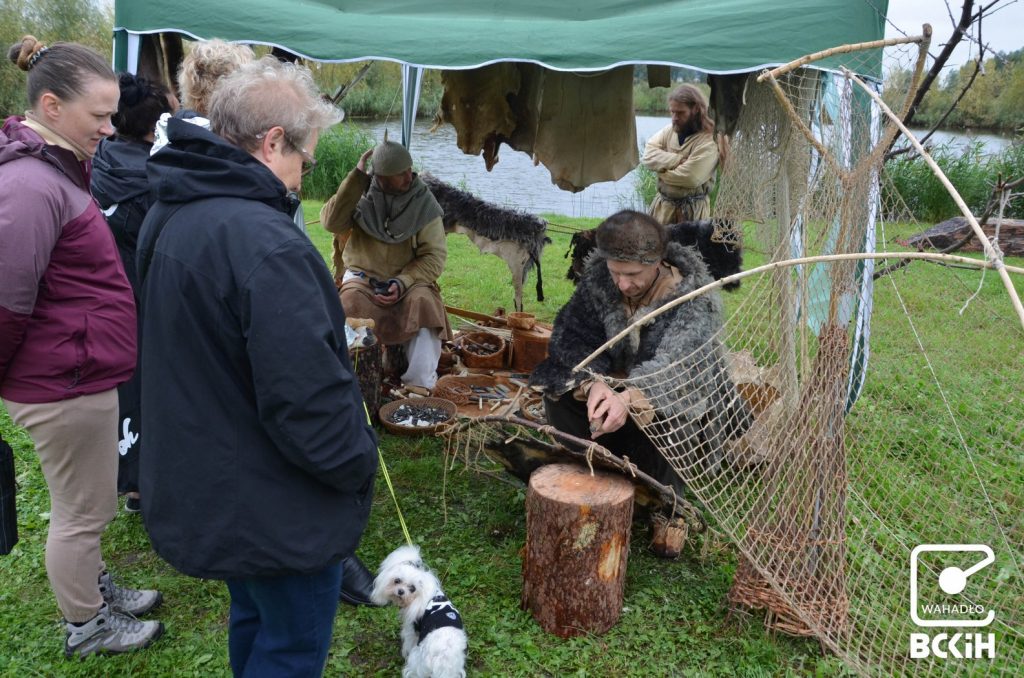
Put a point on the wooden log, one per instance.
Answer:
(577, 544)
(945, 234)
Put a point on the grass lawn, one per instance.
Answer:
(471, 528)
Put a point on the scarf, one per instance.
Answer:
(396, 218)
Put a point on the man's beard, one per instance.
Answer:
(688, 128)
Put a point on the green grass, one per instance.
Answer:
(471, 528)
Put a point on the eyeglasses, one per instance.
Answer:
(308, 161)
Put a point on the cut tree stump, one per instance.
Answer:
(577, 543)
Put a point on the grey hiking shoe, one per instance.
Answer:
(110, 632)
(132, 601)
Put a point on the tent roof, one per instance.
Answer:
(715, 36)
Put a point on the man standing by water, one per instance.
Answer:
(684, 156)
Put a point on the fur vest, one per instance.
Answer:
(679, 352)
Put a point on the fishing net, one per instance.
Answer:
(868, 422)
(859, 451)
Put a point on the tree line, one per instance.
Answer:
(994, 101)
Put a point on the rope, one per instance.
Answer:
(391, 488)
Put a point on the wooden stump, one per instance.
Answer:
(368, 368)
(577, 543)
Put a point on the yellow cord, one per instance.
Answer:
(387, 479)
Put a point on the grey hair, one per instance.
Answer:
(269, 93)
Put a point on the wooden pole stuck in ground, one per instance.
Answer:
(577, 544)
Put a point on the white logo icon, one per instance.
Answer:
(952, 580)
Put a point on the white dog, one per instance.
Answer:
(433, 639)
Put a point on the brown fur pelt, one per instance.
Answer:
(516, 236)
(722, 258)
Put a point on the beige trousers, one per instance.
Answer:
(76, 441)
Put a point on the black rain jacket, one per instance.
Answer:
(259, 459)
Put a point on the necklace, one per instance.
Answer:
(633, 308)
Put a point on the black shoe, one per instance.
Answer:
(132, 504)
(356, 582)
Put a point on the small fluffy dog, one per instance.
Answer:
(433, 639)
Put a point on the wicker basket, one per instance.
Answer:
(389, 409)
(532, 408)
(459, 389)
(473, 358)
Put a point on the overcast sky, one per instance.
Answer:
(1003, 31)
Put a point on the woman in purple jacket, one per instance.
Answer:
(67, 332)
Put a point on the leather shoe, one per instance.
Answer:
(356, 582)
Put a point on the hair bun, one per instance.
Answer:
(25, 52)
(133, 90)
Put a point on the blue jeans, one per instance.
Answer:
(281, 627)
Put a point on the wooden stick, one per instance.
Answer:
(842, 49)
(927, 256)
(473, 315)
(996, 257)
(668, 496)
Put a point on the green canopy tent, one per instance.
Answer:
(715, 36)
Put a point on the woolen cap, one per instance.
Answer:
(390, 158)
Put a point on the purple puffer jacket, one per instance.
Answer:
(67, 316)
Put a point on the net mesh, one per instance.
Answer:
(850, 458)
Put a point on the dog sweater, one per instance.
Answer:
(439, 613)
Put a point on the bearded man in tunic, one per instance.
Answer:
(684, 155)
(389, 251)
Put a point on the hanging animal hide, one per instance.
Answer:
(580, 126)
(475, 103)
(516, 237)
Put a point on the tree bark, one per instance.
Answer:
(577, 544)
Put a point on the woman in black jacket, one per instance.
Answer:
(260, 460)
(120, 186)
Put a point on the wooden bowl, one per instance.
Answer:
(522, 321)
(388, 409)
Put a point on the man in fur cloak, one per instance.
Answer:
(389, 251)
(688, 396)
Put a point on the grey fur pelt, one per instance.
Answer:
(679, 351)
(722, 259)
(492, 222)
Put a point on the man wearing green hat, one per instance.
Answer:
(389, 251)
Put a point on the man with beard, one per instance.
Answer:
(684, 156)
(389, 251)
(635, 269)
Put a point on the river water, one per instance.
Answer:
(516, 182)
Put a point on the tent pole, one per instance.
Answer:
(412, 77)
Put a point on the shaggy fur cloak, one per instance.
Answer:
(688, 385)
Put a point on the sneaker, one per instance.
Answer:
(132, 504)
(131, 601)
(110, 632)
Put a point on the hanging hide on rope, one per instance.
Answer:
(580, 126)
(517, 237)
